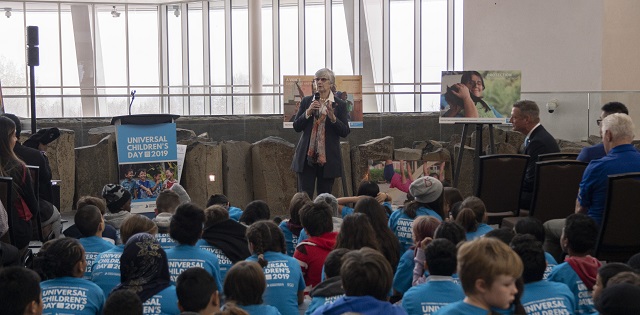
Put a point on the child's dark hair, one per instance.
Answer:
(333, 262)
(609, 270)
(440, 256)
(88, 219)
(532, 256)
(123, 302)
(140, 170)
(368, 188)
(581, 232)
(57, 258)
(316, 218)
(255, 211)
(194, 288)
(451, 195)
(245, 283)
(451, 231)
(94, 201)
(265, 236)
(297, 202)
(530, 225)
(504, 234)
(231, 308)
(186, 224)
(366, 272)
(215, 214)
(167, 201)
(218, 199)
(412, 207)
(389, 244)
(19, 287)
(356, 232)
(472, 213)
(455, 210)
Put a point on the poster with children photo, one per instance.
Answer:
(145, 181)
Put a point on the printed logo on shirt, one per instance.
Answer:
(403, 229)
(331, 299)
(551, 306)
(109, 261)
(277, 270)
(429, 308)
(223, 260)
(63, 298)
(152, 306)
(91, 258)
(584, 296)
(177, 266)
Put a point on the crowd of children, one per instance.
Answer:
(435, 255)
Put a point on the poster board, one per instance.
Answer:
(147, 162)
(492, 91)
(296, 87)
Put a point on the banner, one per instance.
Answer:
(147, 158)
(478, 96)
(348, 88)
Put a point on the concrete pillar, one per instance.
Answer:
(255, 55)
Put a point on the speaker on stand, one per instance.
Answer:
(33, 60)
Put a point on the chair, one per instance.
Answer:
(41, 233)
(619, 236)
(557, 156)
(500, 180)
(554, 190)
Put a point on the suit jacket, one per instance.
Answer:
(34, 157)
(540, 142)
(333, 132)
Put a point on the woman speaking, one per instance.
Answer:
(322, 118)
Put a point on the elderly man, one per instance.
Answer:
(622, 157)
(597, 151)
(525, 118)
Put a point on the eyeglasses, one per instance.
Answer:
(599, 121)
(472, 83)
(320, 79)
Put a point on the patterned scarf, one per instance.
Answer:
(143, 267)
(316, 153)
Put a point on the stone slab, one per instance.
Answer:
(237, 172)
(96, 166)
(62, 160)
(372, 150)
(273, 180)
(201, 161)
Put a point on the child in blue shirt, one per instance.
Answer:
(245, 285)
(366, 188)
(472, 217)
(329, 290)
(605, 273)
(20, 291)
(90, 224)
(440, 289)
(292, 227)
(366, 278)
(106, 268)
(61, 264)
(579, 271)
(197, 292)
(219, 199)
(540, 295)
(285, 283)
(186, 228)
(488, 270)
(533, 226)
(166, 205)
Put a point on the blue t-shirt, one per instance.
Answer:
(165, 240)
(365, 305)
(164, 302)
(129, 185)
(461, 308)
(318, 301)
(260, 309)
(183, 257)
(400, 224)
(69, 295)
(284, 280)
(547, 297)
(404, 273)
(106, 269)
(142, 194)
(235, 213)
(348, 210)
(302, 237)
(593, 187)
(427, 298)
(290, 239)
(482, 230)
(563, 273)
(93, 246)
(223, 261)
(551, 262)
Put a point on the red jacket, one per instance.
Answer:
(311, 254)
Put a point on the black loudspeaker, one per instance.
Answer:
(33, 54)
(32, 36)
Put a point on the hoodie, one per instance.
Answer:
(327, 292)
(311, 253)
(365, 305)
(116, 219)
(586, 268)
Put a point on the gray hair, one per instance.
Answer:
(184, 196)
(330, 200)
(620, 125)
(326, 73)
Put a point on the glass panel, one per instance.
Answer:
(240, 103)
(143, 45)
(146, 101)
(12, 55)
(70, 74)
(177, 103)
(401, 33)
(431, 102)
(115, 104)
(16, 101)
(45, 17)
(218, 102)
(240, 43)
(371, 52)
(434, 40)
(458, 35)
(267, 44)
(342, 55)
(174, 45)
(314, 36)
(72, 105)
(48, 102)
(288, 39)
(111, 60)
(217, 42)
(195, 44)
(196, 102)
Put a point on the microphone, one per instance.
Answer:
(316, 97)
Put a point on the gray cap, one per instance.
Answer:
(426, 189)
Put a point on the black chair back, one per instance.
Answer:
(557, 156)
(500, 180)
(555, 189)
(619, 236)
(7, 202)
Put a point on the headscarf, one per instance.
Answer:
(143, 267)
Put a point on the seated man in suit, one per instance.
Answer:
(595, 152)
(525, 117)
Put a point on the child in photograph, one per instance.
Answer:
(129, 183)
(488, 270)
(157, 185)
(169, 179)
(144, 185)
